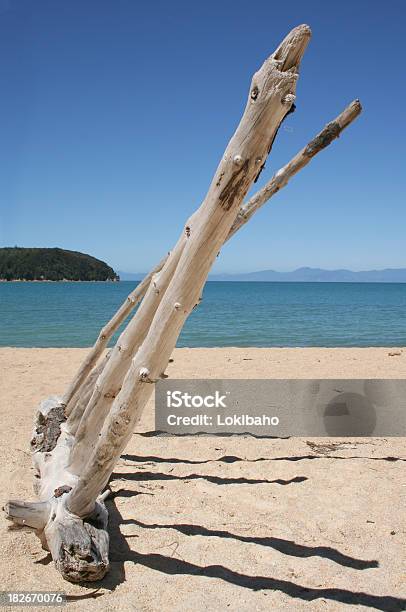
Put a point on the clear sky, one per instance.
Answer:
(114, 115)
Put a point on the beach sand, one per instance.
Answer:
(224, 523)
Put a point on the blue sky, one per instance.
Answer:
(114, 115)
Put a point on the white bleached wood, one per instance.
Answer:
(34, 515)
(81, 398)
(71, 519)
(246, 152)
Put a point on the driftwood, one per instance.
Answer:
(74, 502)
(77, 439)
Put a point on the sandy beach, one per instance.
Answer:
(221, 523)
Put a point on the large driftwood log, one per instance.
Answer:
(85, 438)
(71, 518)
(271, 96)
(75, 528)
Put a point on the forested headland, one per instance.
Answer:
(37, 264)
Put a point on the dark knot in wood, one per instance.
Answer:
(61, 490)
(233, 187)
(48, 429)
(322, 140)
(254, 93)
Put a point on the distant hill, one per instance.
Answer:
(318, 275)
(305, 275)
(18, 263)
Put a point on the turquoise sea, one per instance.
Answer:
(231, 314)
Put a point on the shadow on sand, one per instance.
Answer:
(121, 553)
(233, 459)
(148, 476)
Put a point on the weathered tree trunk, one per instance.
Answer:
(78, 438)
(75, 529)
(136, 330)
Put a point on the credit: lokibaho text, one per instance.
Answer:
(234, 420)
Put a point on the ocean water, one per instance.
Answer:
(231, 314)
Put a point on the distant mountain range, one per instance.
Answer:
(306, 275)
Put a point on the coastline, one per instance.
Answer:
(62, 280)
(270, 523)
